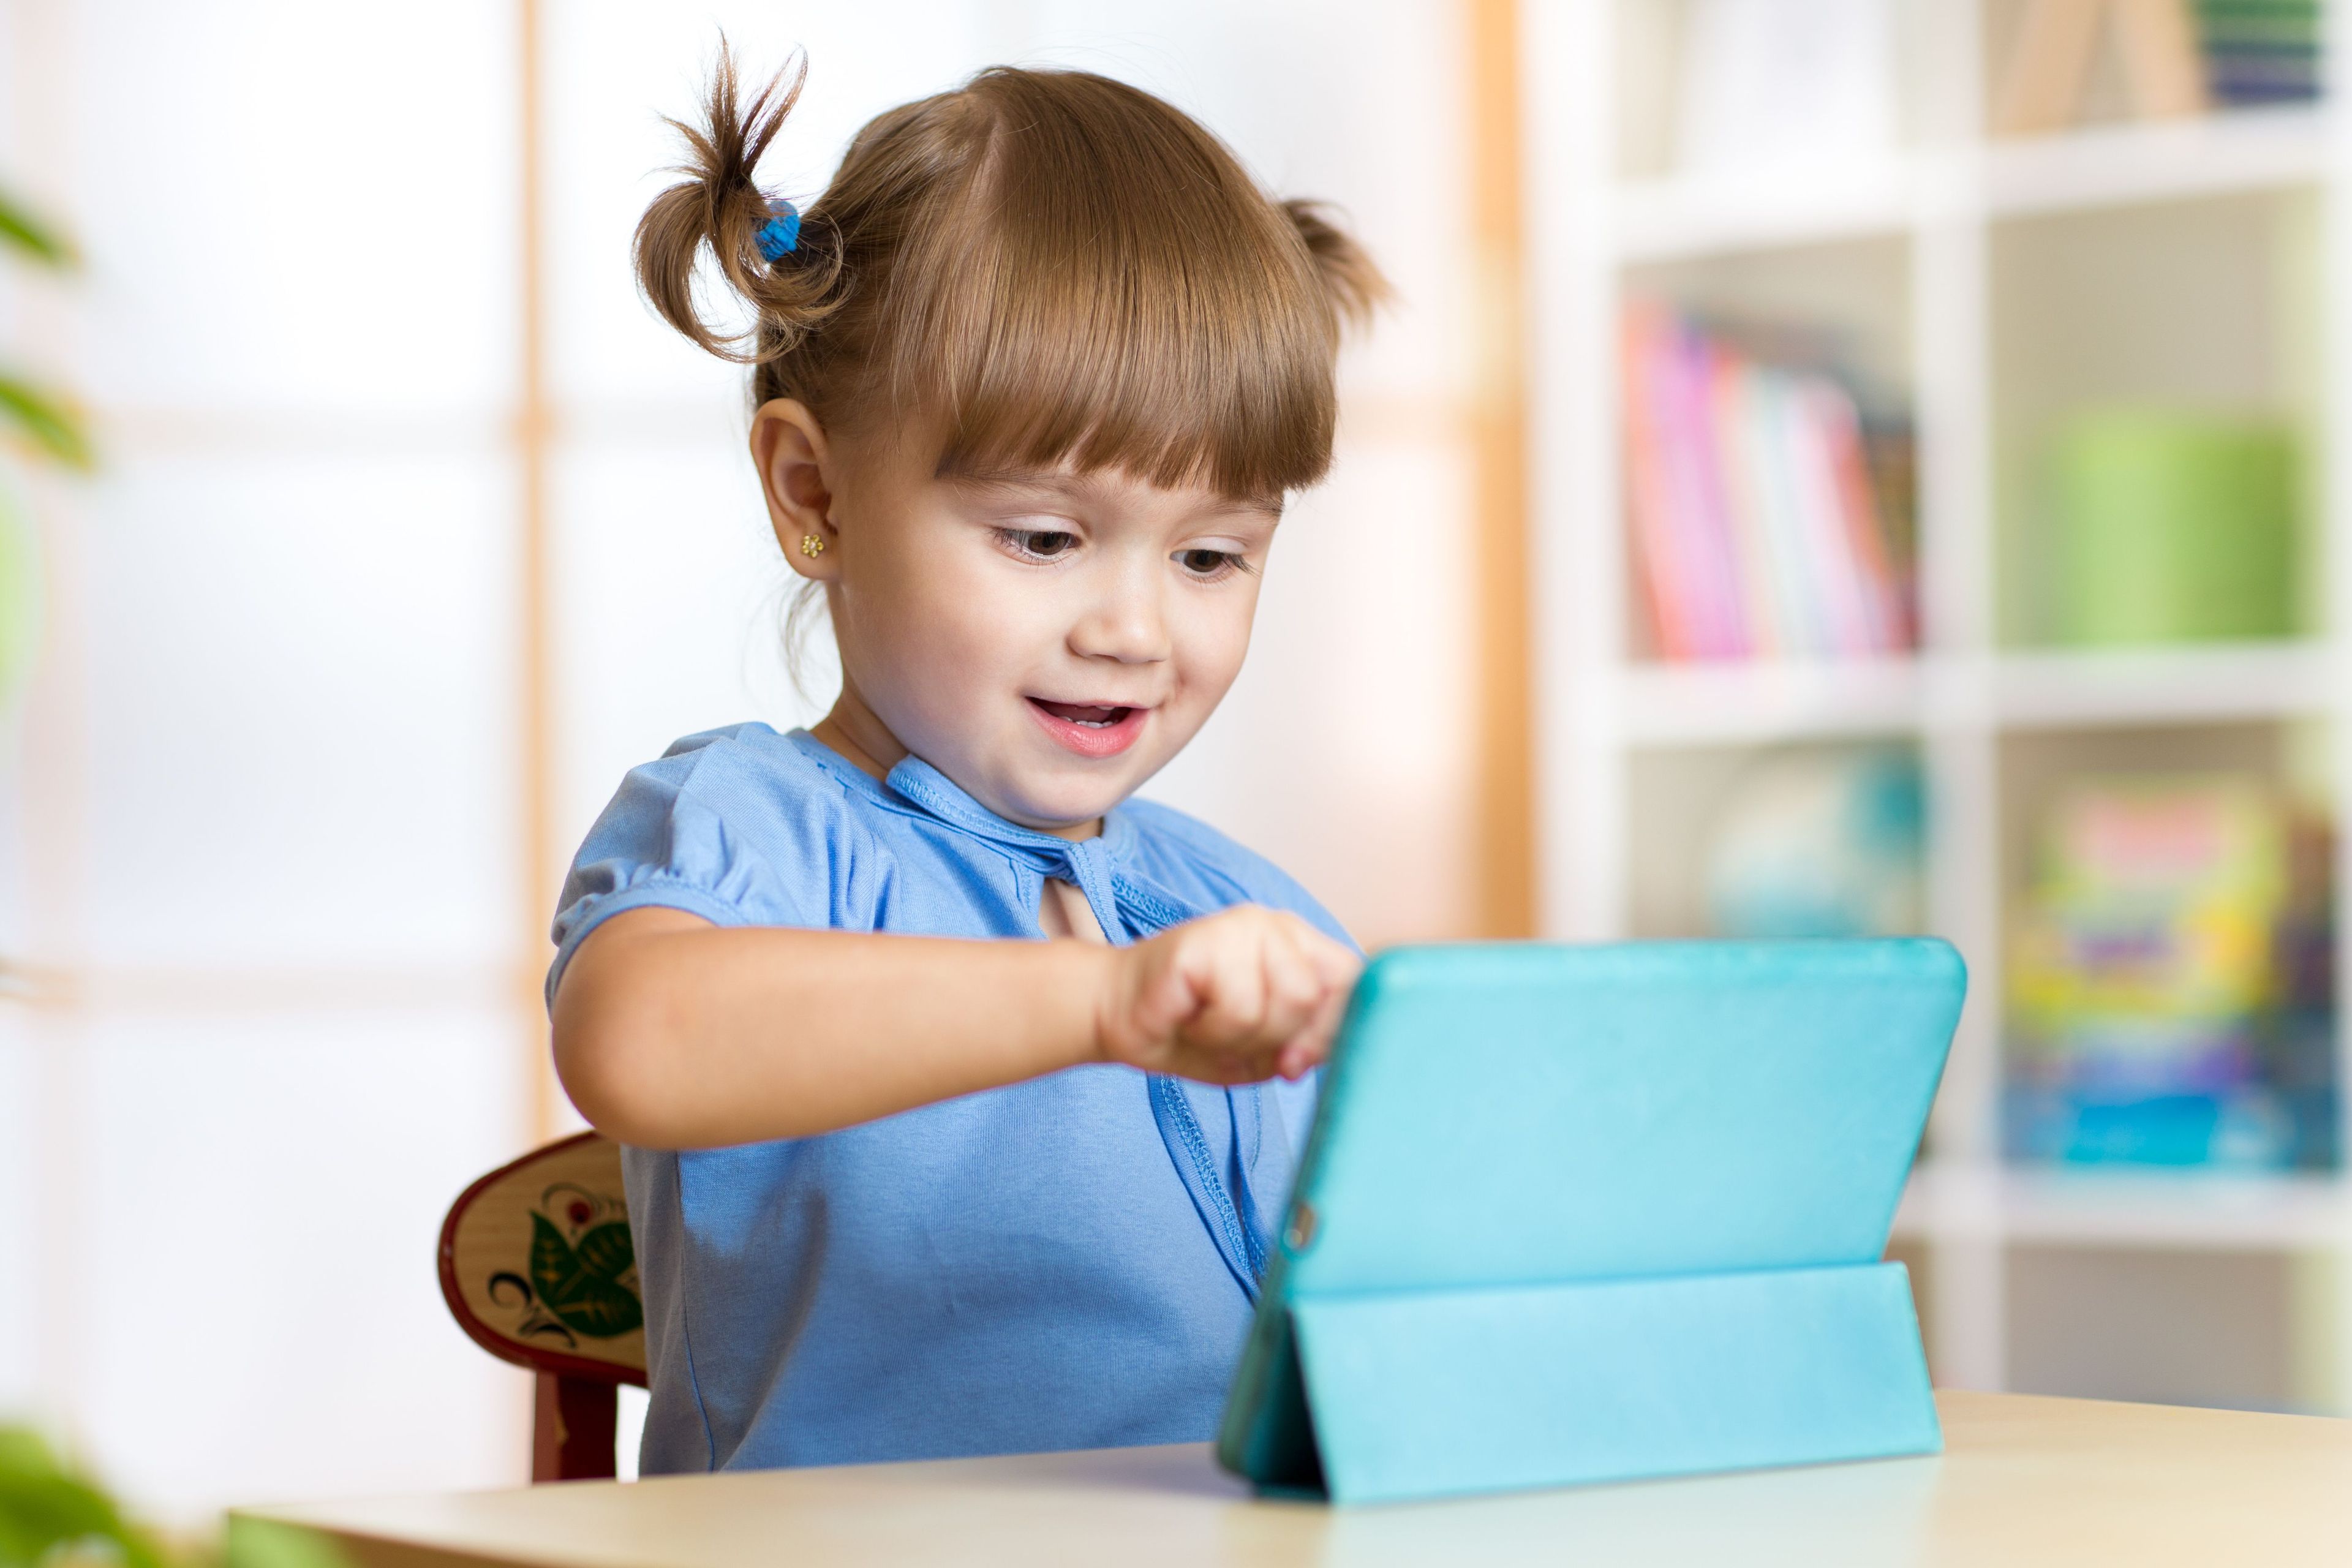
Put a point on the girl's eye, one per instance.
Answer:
(1041, 544)
(1210, 562)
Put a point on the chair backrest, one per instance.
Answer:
(538, 1267)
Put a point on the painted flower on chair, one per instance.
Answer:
(583, 1270)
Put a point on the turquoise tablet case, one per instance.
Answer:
(1587, 1214)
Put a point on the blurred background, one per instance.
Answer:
(1836, 467)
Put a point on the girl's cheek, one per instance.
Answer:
(949, 604)
(980, 631)
(1211, 648)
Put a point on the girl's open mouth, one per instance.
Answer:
(1091, 730)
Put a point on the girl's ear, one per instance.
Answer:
(789, 447)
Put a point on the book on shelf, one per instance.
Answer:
(1759, 500)
(2170, 978)
(2261, 51)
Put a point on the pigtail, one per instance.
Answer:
(1352, 285)
(720, 205)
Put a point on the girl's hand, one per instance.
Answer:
(1234, 997)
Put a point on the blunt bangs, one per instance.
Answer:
(1108, 290)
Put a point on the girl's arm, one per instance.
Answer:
(672, 1032)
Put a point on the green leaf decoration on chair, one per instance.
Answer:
(587, 1286)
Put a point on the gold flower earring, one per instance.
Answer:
(812, 545)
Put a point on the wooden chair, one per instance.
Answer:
(537, 1267)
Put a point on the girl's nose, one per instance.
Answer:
(1127, 626)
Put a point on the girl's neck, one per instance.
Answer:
(852, 730)
(866, 743)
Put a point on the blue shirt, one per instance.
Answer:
(1068, 1262)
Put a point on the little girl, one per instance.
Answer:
(1032, 380)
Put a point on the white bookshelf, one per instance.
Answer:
(1922, 232)
(2162, 1210)
(1716, 704)
(1664, 218)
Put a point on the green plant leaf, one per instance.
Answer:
(39, 1512)
(44, 1507)
(53, 425)
(583, 1286)
(20, 229)
(22, 1453)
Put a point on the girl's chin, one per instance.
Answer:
(1061, 814)
(1051, 804)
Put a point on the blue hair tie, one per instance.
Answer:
(781, 235)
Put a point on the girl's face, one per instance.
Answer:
(1047, 640)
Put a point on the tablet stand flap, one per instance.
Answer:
(1431, 1393)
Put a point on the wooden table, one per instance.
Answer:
(2024, 1480)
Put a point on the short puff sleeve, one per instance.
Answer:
(724, 826)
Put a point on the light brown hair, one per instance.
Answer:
(1038, 267)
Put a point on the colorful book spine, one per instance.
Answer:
(1754, 513)
(1885, 592)
(1725, 623)
(1657, 505)
(2261, 51)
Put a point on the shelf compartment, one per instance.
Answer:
(2203, 311)
(1771, 393)
(1820, 839)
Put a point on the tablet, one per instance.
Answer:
(1500, 1117)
